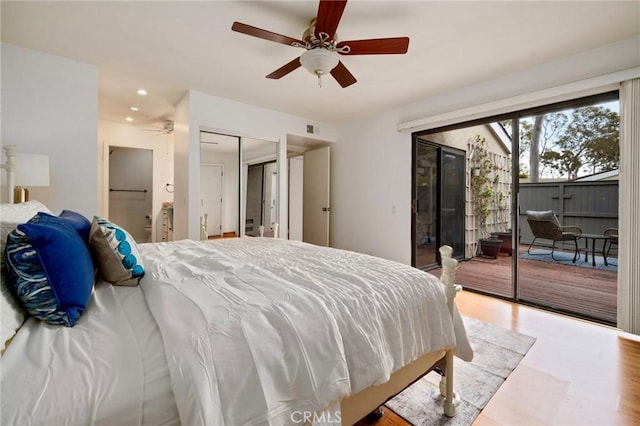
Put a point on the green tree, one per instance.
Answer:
(589, 143)
(537, 136)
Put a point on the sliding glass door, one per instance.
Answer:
(452, 206)
(438, 203)
(484, 186)
(569, 160)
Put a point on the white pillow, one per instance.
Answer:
(12, 314)
(12, 215)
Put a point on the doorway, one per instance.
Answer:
(309, 190)
(316, 196)
(211, 186)
(131, 190)
(438, 202)
(262, 180)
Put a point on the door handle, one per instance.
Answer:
(326, 209)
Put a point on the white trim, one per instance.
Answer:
(502, 136)
(591, 86)
(629, 241)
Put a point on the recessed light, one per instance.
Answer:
(133, 108)
(142, 92)
(129, 119)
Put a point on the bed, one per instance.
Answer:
(236, 331)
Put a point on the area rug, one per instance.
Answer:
(565, 258)
(497, 352)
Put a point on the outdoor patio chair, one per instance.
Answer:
(612, 233)
(545, 225)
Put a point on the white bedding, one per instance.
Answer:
(241, 331)
(109, 369)
(255, 329)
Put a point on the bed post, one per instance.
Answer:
(10, 166)
(449, 267)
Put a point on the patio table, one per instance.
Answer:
(594, 238)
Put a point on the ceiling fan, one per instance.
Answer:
(322, 47)
(166, 129)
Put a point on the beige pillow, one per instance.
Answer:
(115, 252)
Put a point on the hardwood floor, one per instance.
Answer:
(577, 372)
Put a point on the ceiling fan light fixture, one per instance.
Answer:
(319, 61)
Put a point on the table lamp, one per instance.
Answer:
(30, 170)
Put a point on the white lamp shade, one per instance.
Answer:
(31, 170)
(319, 61)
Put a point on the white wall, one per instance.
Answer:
(371, 163)
(198, 111)
(371, 189)
(50, 107)
(125, 135)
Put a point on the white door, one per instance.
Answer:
(316, 208)
(211, 193)
(296, 179)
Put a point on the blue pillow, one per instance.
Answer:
(116, 253)
(79, 222)
(50, 269)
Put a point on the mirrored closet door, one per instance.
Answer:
(238, 186)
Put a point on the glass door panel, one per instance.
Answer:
(425, 205)
(460, 204)
(452, 201)
(569, 167)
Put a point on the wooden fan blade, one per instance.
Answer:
(329, 14)
(264, 34)
(285, 69)
(342, 75)
(376, 46)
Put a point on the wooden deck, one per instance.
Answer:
(586, 292)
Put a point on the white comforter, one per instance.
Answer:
(255, 329)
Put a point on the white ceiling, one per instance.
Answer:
(170, 47)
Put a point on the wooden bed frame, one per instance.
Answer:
(357, 406)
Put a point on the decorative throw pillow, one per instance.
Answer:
(50, 269)
(13, 314)
(79, 222)
(12, 215)
(116, 253)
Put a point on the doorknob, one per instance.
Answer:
(326, 209)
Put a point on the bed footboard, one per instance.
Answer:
(449, 266)
(357, 406)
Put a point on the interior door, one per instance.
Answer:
(316, 207)
(211, 201)
(296, 177)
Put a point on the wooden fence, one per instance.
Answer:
(593, 206)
